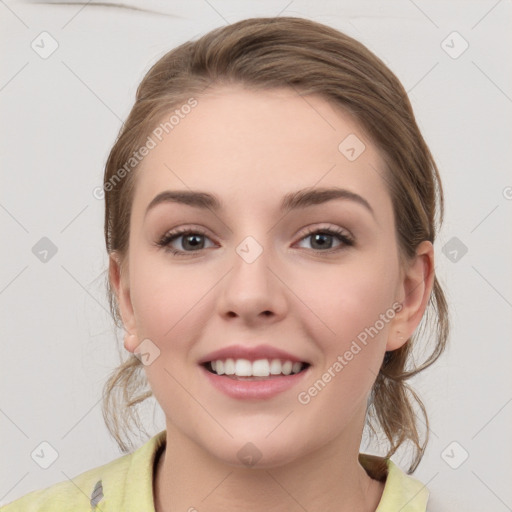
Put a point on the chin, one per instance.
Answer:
(258, 453)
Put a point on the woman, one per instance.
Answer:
(270, 219)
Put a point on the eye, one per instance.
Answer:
(322, 238)
(192, 239)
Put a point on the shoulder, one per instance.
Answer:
(106, 484)
(401, 491)
(73, 494)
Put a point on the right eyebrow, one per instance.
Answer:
(202, 200)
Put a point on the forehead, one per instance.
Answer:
(252, 147)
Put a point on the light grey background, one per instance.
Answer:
(61, 115)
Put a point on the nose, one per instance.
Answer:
(253, 291)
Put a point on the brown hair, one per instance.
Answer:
(267, 53)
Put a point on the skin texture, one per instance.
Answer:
(250, 149)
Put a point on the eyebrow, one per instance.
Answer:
(291, 201)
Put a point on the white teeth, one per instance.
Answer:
(258, 368)
(275, 367)
(229, 367)
(261, 368)
(287, 367)
(243, 368)
(296, 367)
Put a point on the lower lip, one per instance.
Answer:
(255, 389)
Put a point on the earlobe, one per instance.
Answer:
(415, 289)
(130, 342)
(395, 340)
(119, 283)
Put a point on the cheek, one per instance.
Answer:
(353, 313)
(170, 306)
(342, 301)
(356, 311)
(165, 296)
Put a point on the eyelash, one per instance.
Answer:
(341, 235)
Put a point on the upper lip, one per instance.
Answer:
(250, 353)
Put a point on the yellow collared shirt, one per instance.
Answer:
(126, 485)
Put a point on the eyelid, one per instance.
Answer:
(175, 233)
(329, 228)
(344, 236)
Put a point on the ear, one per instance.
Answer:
(414, 294)
(118, 276)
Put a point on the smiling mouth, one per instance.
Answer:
(263, 369)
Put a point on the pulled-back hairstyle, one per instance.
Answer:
(311, 58)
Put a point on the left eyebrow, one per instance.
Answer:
(291, 201)
(309, 197)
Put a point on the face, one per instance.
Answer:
(317, 280)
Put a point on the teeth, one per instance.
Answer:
(243, 368)
(229, 367)
(258, 368)
(275, 367)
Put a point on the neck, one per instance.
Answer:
(329, 479)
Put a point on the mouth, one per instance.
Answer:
(260, 369)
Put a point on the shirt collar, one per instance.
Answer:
(401, 491)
